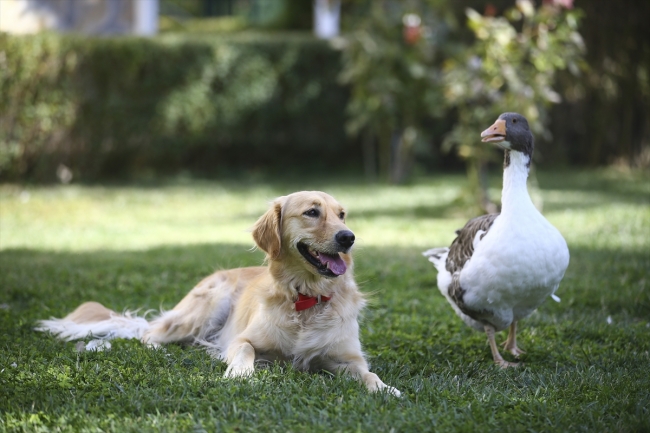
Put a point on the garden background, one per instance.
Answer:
(131, 167)
(217, 96)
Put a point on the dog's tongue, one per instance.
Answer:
(334, 262)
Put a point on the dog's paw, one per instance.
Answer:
(374, 384)
(393, 391)
(388, 390)
(234, 371)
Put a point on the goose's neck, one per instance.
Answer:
(515, 174)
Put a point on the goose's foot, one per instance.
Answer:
(506, 364)
(511, 342)
(498, 359)
(512, 348)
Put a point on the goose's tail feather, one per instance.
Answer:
(437, 256)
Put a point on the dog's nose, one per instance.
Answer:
(345, 238)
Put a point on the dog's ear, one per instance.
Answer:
(267, 230)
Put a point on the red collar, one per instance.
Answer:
(305, 302)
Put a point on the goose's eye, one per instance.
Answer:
(514, 120)
(314, 213)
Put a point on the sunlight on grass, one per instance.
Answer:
(74, 218)
(78, 218)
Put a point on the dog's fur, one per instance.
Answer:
(245, 315)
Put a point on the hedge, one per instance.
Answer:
(123, 107)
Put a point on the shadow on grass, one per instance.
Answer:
(38, 284)
(410, 211)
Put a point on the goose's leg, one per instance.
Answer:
(511, 342)
(498, 359)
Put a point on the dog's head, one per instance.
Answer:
(306, 230)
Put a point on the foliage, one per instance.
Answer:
(114, 107)
(215, 16)
(144, 246)
(398, 84)
(34, 101)
(511, 66)
(51, 94)
(220, 25)
(394, 84)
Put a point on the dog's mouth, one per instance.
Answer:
(329, 265)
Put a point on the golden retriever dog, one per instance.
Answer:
(301, 308)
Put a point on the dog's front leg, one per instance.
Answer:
(241, 359)
(356, 365)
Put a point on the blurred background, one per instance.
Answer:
(103, 90)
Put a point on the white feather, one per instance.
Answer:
(517, 264)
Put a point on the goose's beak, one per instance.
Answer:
(495, 133)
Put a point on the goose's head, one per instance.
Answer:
(511, 132)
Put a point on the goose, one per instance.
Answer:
(502, 266)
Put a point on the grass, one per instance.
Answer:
(586, 367)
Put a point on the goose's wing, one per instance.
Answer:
(460, 252)
(462, 247)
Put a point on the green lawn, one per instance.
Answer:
(587, 366)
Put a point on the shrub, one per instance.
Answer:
(120, 107)
(511, 66)
(393, 71)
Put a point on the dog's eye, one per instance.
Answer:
(342, 215)
(312, 213)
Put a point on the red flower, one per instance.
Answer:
(567, 4)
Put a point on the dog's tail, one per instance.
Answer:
(93, 319)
